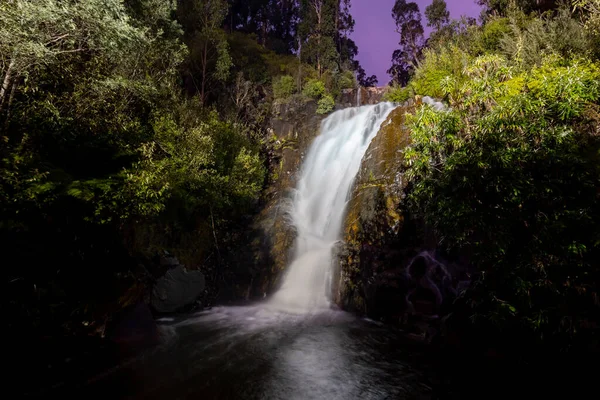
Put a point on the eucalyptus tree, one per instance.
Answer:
(407, 17)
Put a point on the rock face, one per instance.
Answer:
(361, 96)
(293, 128)
(378, 240)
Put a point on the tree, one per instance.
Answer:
(363, 79)
(317, 31)
(45, 32)
(273, 21)
(209, 51)
(407, 17)
(283, 20)
(401, 70)
(500, 7)
(437, 14)
(344, 23)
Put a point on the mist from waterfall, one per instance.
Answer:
(319, 203)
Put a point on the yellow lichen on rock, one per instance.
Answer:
(373, 211)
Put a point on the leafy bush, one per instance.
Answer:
(101, 163)
(431, 78)
(529, 41)
(510, 177)
(325, 104)
(336, 81)
(346, 80)
(284, 87)
(592, 7)
(314, 89)
(397, 94)
(492, 33)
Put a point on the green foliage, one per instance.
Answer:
(210, 59)
(407, 17)
(314, 89)
(397, 94)
(103, 159)
(440, 71)
(492, 34)
(502, 7)
(346, 80)
(437, 14)
(44, 31)
(509, 175)
(325, 104)
(531, 40)
(284, 87)
(592, 7)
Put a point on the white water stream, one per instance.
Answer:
(319, 203)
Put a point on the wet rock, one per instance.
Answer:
(176, 289)
(361, 96)
(294, 126)
(378, 239)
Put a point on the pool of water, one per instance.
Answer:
(260, 353)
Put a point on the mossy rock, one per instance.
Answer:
(375, 230)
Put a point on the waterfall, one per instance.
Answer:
(319, 202)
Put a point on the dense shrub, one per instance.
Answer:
(346, 80)
(103, 163)
(509, 175)
(314, 89)
(397, 94)
(284, 87)
(530, 40)
(491, 34)
(325, 104)
(438, 69)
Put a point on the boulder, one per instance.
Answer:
(176, 289)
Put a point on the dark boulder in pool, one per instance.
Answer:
(178, 288)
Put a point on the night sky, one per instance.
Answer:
(375, 34)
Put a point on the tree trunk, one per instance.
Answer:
(319, 64)
(299, 64)
(338, 32)
(264, 32)
(6, 82)
(204, 66)
(319, 15)
(13, 89)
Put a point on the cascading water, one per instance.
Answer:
(319, 202)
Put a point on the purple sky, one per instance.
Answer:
(375, 35)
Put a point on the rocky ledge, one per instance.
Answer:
(361, 96)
